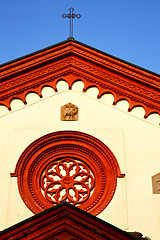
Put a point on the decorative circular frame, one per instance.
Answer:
(91, 160)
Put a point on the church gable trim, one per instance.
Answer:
(72, 61)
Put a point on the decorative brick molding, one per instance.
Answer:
(72, 61)
(67, 166)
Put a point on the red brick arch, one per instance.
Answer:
(62, 162)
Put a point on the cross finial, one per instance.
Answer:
(71, 15)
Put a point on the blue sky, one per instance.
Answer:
(127, 29)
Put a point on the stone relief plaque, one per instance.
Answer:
(69, 112)
(156, 184)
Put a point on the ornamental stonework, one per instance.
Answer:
(68, 166)
(156, 183)
(69, 112)
(67, 180)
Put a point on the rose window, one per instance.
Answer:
(67, 180)
(67, 166)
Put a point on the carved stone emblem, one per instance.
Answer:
(156, 183)
(69, 112)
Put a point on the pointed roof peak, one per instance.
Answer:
(93, 67)
(64, 221)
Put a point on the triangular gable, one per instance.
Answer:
(72, 61)
(65, 222)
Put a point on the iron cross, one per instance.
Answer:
(71, 16)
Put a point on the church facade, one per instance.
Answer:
(80, 126)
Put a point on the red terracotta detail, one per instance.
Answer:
(76, 179)
(90, 172)
(72, 61)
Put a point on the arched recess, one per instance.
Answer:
(67, 166)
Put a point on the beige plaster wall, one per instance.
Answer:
(133, 140)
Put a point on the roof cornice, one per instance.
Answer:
(95, 68)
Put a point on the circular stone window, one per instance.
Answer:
(67, 166)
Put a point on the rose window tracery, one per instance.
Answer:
(67, 180)
(67, 166)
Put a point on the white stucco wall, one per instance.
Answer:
(133, 140)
